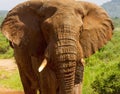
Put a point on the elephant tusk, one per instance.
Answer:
(43, 65)
(83, 61)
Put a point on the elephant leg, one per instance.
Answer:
(27, 74)
(26, 84)
(47, 78)
(79, 77)
(48, 81)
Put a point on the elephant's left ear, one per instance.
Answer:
(97, 28)
(21, 20)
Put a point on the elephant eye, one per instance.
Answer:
(42, 16)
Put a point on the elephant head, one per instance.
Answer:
(63, 32)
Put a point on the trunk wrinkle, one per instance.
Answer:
(66, 57)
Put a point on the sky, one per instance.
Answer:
(9, 4)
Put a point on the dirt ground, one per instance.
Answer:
(9, 65)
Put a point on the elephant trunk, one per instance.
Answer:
(66, 74)
(66, 57)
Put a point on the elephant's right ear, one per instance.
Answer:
(97, 28)
(22, 20)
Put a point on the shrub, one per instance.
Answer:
(108, 82)
(5, 49)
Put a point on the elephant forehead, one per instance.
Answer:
(59, 4)
(57, 10)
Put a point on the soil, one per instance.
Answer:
(9, 65)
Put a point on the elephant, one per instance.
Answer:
(51, 39)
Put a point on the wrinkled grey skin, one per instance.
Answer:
(62, 32)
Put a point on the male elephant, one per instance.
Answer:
(57, 35)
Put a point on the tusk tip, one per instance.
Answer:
(40, 69)
(42, 66)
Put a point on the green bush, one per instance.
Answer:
(116, 22)
(108, 82)
(5, 49)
